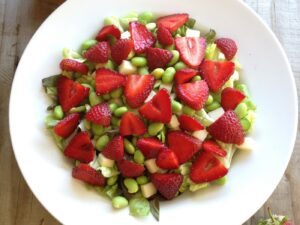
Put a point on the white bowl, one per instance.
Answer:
(254, 175)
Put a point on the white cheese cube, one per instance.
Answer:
(216, 114)
(127, 68)
(148, 189)
(248, 145)
(151, 166)
(125, 35)
(174, 123)
(192, 33)
(103, 161)
(200, 134)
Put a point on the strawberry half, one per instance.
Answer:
(99, 53)
(216, 73)
(189, 123)
(227, 129)
(99, 114)
(130, 169)
(132, 124)
(167, 159)
(159, 109)
(183, 145)
(73, 66)
(184, 75)
(114, 149)
(230, 98)
(137, 89)
(67, 126)
(191, 49)
(150, 147)
(121, 49)
(193, 94)
(207, 168)
(227, 46)
(158, 58)
(108, 31)
(213, 147)
(164, 36)
(70, 93)
(141, 36)
(80, 148)
(89, 175)
(167, 184)
(108, 80)
(173, 22)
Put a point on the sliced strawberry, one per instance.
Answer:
(216, 73)
(189, 123)
(173, 22)
(184, 145)
(132, 124)
(227, 46)
(73, 66)
(158, 58)
(230, 98)
(191, 49)
(137, 89)
(70, 93)
(213, 147)
(193, 94)
(184, 75)
(99, 114)
(108, 80)
(89, 175)
(114, 149)
(121, 49)
(141, 36)
(159, 109)
(167, 159)
(150, 147)
(207, 168)
(227, 129)
(130, 169)
(80, 148)
(108, 31)
(164, 36)
(99, 53)
(167, 184)
(67, 126)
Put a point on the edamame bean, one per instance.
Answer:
(102, 142)
(170, 47)
(151, 26)
(250, 104)
(243, 88)
(158, 45)
(131, 185)
(145, 17)
(97, 129)
(120, 111)
(196, 78)
(115, 121)
(175, 58)
(88, 43)
(245, 124)
(119, 202)
(113, 107)
(94, 99)
(142, 180)
(168, 75)
(58, 112)
(87, 124)
(212, 106)
(157, 73)
(188, 110)
(155, 128)
(106, 97)
(139, 61)
(78, 109)
(50, 121)
(180, 65)
(116, 93)
(112, 180)
(138, 157)
(241, 110)
(176, 106)
(143, 71)
(209, 100)
(128, 146)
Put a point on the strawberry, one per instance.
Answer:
(108, 31)
(189, 123)
(67, 126)
(132, 124)
(159, 109)
(114, 149)
(191, 49)
(167, 159)
(227, 129)
(130, 169)
(216, 73)
(108, 80)
(89, 175)
(137, 89)
(274, 220)
(167, 184)
(207, 168)
(173, 22)
(99, 114)
(73, 66)
(213, 147)
(70, 93)
(80, 148)
(227, 46)
(150, 147)
(99, 53)
(121, 49)
(184, 75)
(193, 94)
(183, 145)
(230, 98)
(141, 36)
(158, 58)
(164, 36)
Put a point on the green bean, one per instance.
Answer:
(87, 124)
(151, 26)
(241, 110)
(175, 58)
(88, 43)
(102, 142)
(143, 71)
(106, 97)
(196, 78)
(119, 202)
(112, 180)
(188, 110)
(212, 106)
(113, 107)
(120, 111)
(168, 75)
(138, 157)
(157, 73)
(97, 129)
(245, 124)
(142, 180)
(116, 93)
(58, 112)
(131, 185)
(139, 61)
(209, 100)
(176, 106)
(180, 65)
(115, 121)
(145, 17)
(170, 48)
(129, 146)
(155, 128)
(94, 99)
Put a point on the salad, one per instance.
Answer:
(150, 108)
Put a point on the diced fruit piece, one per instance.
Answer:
(121, 49)
(106, 162)
(158, 58)
(80, 148)
(167, 159)
(184, 75)
(150, 147)
(173, 22)
(108, 31)
(164, 36)
(127, 68)
(227, 129)
(230, 98)
(200, 134)
(72, 65)
(130, 169)
(151, 165)
(148, 190)
(89, 175)
(132, 124)
(207, 168)
(167, 184)
(114, 149)
(67, 126)
(99, 114)
(227, 46)
(99, 53)
(189, 123)
(213, 147)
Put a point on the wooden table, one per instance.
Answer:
(19, 19)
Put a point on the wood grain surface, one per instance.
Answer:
(19, 19)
